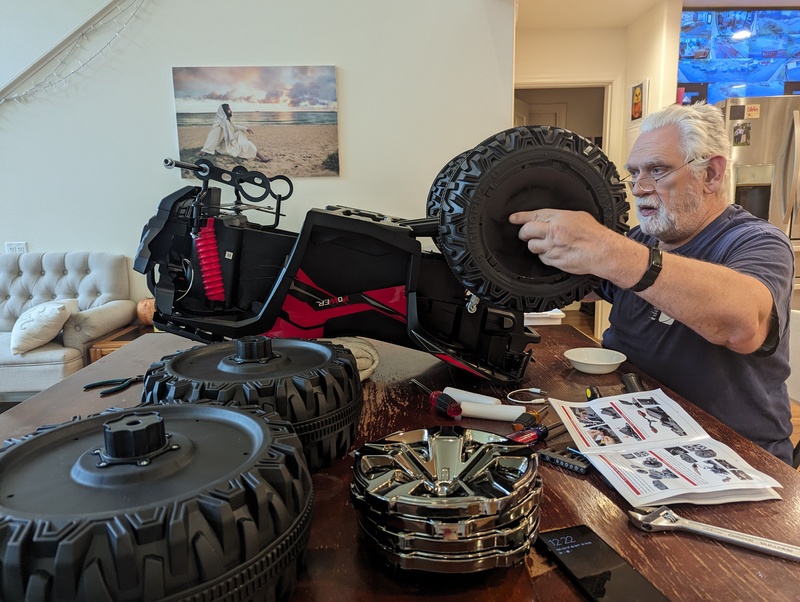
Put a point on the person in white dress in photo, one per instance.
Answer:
(228, 138)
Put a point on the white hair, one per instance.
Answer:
(701, 135)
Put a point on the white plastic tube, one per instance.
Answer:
(470, 409)
(461, 396)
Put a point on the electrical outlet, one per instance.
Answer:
(16, 247)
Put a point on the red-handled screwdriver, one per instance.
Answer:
(535, 434)
(443, 403)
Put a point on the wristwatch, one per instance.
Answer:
(653, 270)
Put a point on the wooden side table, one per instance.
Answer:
(115, 340)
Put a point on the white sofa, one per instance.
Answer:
(73, 298)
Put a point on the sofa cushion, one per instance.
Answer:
(40, 324)
(83, 327)
(37, 369)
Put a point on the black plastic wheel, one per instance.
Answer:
(221, 511)
(520, 169)
(314, 385)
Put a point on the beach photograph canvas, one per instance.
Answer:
(276, 120)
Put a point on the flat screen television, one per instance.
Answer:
(739, 53)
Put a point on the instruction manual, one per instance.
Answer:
(652, 452)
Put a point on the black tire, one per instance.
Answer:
(224, 514)
(439, 186)
(318, 389)
(434, 202)
(524, 168)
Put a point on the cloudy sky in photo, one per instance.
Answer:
(202, 89)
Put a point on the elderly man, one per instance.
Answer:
(701, 289)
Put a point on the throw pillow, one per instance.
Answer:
(40, 324)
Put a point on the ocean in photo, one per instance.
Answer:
(257, 118)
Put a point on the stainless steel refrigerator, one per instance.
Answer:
(765, 132)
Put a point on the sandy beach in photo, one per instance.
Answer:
(294, 150)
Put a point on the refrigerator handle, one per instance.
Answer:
(791, 203)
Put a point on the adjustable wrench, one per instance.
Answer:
(664, 519)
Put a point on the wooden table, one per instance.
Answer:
(339, 567)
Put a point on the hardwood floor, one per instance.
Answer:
(585, 323)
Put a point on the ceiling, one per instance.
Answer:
(561, 14)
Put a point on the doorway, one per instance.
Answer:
(580, 110)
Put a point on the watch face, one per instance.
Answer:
(653, 270)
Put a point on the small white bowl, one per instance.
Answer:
(594, 360)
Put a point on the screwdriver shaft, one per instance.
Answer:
(421, 386)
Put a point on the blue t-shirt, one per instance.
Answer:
(746, 392)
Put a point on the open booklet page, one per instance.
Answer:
(652, 452)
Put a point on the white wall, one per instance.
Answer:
(555, 58)
(418, 83)
(652, 51)
(32, 28)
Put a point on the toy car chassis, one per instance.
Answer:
(216, 275)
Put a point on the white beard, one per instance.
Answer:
(671, 224)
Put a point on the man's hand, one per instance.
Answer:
(572, 241)
(723, 306)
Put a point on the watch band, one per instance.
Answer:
(653, 270)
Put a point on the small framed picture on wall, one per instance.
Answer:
(638, 101)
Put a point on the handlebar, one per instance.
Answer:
(243, 181)
(202, 170)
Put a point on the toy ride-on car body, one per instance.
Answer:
(215, 275)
